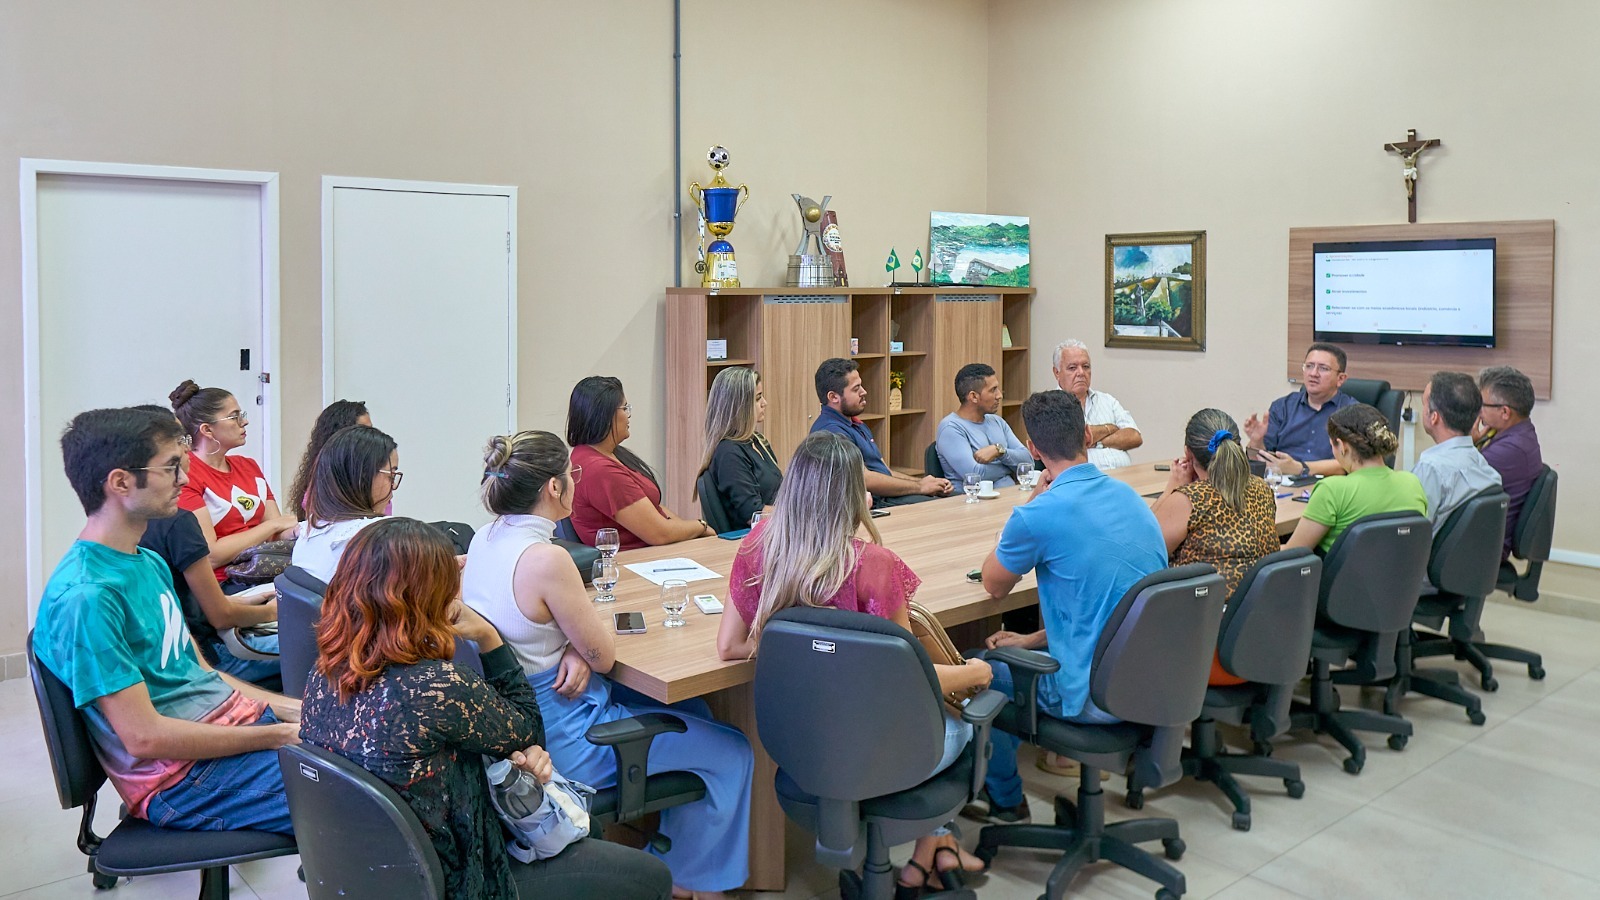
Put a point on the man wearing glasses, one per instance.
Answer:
(1507, 439)
(184, 746)
(1294, 435)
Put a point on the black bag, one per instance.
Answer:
(459, 533)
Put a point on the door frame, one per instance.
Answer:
(333, 182)
(33, 464)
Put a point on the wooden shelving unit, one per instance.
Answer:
(784, 333)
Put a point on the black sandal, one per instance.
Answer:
(903, 891)
(954, 878)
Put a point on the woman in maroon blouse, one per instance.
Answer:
(617, 490)
(807, 553)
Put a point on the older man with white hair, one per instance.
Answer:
(1112, 431)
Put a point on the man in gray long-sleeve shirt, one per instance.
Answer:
(1452, 471)
(974, 438)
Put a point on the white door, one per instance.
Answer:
(139, 283)
(419, 322)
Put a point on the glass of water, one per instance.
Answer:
(607, 542)
(1025, 476)
(605, 579)
(1273, 476)
(755, 518)
(970, 486)
(674, 597)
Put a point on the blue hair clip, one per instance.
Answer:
(488, 474)
(1222, 434)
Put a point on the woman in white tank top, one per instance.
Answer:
(529, 588)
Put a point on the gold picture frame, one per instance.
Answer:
(1156, 290)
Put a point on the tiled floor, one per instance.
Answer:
(1509, 809)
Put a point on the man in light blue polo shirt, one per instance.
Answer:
(1088, 538)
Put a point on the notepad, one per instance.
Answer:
(681, 568)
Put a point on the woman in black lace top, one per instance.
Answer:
(386, 696)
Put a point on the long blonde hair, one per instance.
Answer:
(730, 413)
(806, 547)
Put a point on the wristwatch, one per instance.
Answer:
(1099, 445)
(1305, 468)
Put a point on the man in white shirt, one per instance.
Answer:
(1452, 471)
(1112, 431)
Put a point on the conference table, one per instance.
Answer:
(941, 540)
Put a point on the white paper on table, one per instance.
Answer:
(681, 568)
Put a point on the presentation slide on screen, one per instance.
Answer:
(1398, 292)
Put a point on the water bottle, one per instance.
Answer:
(519, 792)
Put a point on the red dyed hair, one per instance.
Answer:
(389, 603)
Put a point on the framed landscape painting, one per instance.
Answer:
(1156, 290)
(979, 249)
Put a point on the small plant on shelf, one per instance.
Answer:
(897, 383)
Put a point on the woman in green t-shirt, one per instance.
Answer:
(1361, 438)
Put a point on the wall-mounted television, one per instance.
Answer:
(1436, 292)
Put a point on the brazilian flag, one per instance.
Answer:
(893, 261)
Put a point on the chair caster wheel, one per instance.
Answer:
(1489, 684)
(1476, 716)
(1353, 765)
(1134, 800)
(1296, 788)
(1241, 821)
(1399, 741)
(849, 886)
(1536, 673)
(1165, 894)
(104, 882)
(1173, 848)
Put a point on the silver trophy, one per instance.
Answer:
(809, 265)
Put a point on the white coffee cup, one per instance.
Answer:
(985, 487)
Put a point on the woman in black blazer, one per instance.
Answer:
(741, 462)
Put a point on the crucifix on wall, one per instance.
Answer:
(1410, 150)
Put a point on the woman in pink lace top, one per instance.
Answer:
(807, 552)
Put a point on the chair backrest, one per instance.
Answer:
(834, 739)
(299, 608)
(1379, 395)
(1151, 662)
(1267, 628)
(931, 463)
(77, 770)
(1465, 559)
(1373, 574)
(711, 508)
(566, 532)
(357, 837)
(1537, 526)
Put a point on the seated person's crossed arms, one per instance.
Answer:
(974, 439)
(741, 462)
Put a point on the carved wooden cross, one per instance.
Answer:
(1410, 149)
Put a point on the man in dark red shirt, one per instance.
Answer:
(1507, 438)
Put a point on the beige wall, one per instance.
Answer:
(1248, 117)
(570, 102)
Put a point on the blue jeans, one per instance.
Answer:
(1003, 781)
(251, 670)
(225, 794)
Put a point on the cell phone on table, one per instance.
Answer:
(629, 622)
(1303, 497)
(1163, 467)
(878, 513)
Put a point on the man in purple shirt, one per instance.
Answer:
(1294, 434)
(1507, 439)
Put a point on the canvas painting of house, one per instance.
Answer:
(978, 249)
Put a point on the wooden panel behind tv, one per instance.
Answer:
(1524, 285)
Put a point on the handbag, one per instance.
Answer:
(543, 818)
(261, 563)
(941, 651)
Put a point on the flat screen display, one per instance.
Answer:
(1438, 292)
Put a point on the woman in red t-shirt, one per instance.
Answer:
(228, 494)
(618, 490)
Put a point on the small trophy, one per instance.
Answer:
(807, 268)
(718, 203)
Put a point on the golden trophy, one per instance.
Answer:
(718, 203)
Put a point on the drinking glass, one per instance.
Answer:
(1273, 476)
(605, 579)
(674, 597)
(1025, 476)
(970, 486)
(755, 518)
(607, 542)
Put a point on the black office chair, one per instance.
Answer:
(1531, 542)
(360, 838)
(1462, 570)
(711, 507)
(1265, 639)
(1150, 670)
(1370, 581)
(583, 555)
(931, 463)
(299, 608)
(135, 847)
(1379, 395)
(855, 767)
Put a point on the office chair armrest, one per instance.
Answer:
(241, 650)
(1026, 667)
(629, 740)
(980, 713)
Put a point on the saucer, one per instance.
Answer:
(989, 496)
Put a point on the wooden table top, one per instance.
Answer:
(941, 541)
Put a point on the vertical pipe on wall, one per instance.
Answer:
(677, 143)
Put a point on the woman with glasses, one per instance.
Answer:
(227, 492)
(619, 491)
(352, 481)
(742, 464)
(528, 588)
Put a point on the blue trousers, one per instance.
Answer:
(251, 670)
(1003, 781)
(226, 794)
(710, 838)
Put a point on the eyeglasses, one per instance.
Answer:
(1498, 405)
(627, 408)
(239, 417)
(174, 468)
(576, 474)
(395, 476)
(1318, 368)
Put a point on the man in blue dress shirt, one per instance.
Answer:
(1294, 434)
(844, 399)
